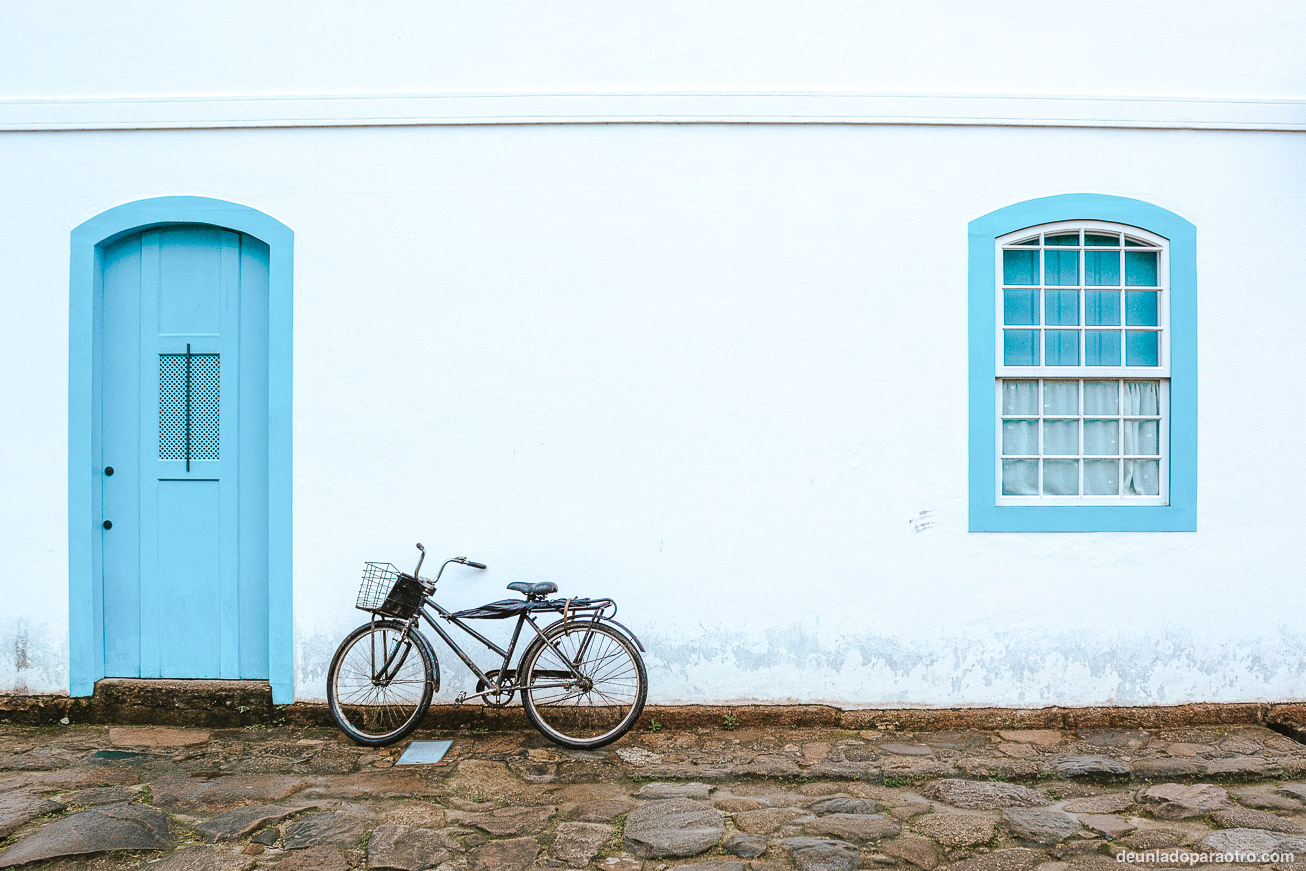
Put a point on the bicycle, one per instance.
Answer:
(581, 679)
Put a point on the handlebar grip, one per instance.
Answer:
(476, 565)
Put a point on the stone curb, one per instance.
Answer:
(246, 703)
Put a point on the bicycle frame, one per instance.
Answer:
(505, 679)
(583, 698)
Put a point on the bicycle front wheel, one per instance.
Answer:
(586, 686)
(381, 682)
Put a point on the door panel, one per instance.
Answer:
(119, 435)
(189, 283)
(189, 584)
(186, 326)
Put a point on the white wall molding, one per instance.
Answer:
(379, 110)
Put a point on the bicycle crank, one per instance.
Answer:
(494, 697)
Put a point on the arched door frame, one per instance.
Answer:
(85, 604)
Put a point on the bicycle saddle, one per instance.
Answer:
(531, 591)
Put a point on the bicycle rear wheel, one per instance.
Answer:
(596, 708)
(381, 682)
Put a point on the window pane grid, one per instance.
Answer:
(1078, 298)
(1082, 332)
(1073, 423)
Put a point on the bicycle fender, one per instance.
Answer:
(633, 636)
(624, 629)
(419, 638)
(435, 662)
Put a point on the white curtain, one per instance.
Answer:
(1142, 397)
(1020, 477)
(1102, 397)
(1100, 477)
(1061, 477)
(1141, 477)
(1061, 397)
(1020, 397)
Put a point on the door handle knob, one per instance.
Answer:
(108, 470)
(108, 524)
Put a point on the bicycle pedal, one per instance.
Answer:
(457, 702)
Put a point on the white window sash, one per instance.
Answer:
(1163, 437)
(1163, 314)
(1080, 373)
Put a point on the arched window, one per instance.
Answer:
(1080, 356)
(1083, 371)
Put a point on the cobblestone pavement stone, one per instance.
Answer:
(172, 799)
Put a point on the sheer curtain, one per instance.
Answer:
(1020, 477)
(1142, 477)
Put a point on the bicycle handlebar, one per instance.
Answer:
(461, 560)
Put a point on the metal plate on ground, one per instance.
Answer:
(424, 752)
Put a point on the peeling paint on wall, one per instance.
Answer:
(33, 656)
(1034, 669)
(800, 663)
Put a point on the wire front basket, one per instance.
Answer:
(387, 591)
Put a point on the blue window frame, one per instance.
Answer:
(1083, 367)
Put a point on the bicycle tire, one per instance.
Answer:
(569, 715)
(370, 716)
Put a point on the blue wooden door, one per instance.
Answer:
(183, 404)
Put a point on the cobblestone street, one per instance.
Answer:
(294, 799)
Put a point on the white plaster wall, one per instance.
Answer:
(716, 372)
(1123, 47)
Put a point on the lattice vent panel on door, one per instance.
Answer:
(188, 406)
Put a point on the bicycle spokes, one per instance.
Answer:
(601, 699)
(581, 679)
(378, 685)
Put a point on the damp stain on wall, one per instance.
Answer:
(33, 656)
(802, 663)
(1001, 668)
